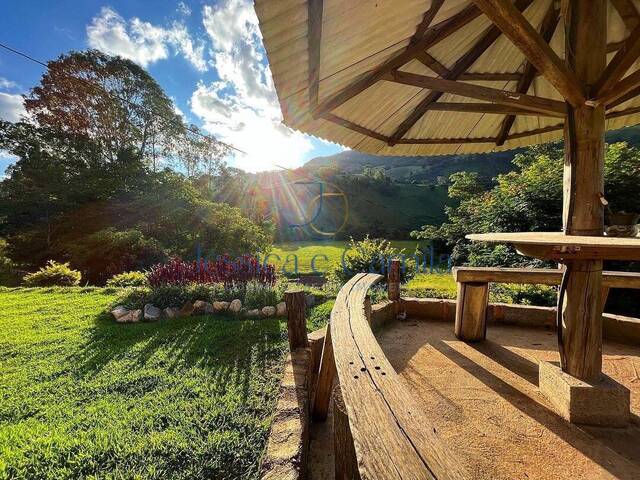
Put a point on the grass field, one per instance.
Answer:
(83, 397)
(285, 255)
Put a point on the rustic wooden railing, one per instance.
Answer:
(392, 437)
(473, 291)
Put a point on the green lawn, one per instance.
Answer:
(441, 282)
(285, 254)
(83, 397)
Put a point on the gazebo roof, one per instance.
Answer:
(429, 77)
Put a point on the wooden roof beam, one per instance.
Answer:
(433, 64)
(463, 64)
(515, 26)
(444, 141)
(549, 25)
(355, 127)
(490, 108)
(628, 12)
(432, 36)
(315, 9)
(490, 76)
(501, 97)
(621, 89)
(427, 19)
(619, 64)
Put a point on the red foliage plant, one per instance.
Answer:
(223, 270)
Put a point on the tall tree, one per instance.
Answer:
(110, 100)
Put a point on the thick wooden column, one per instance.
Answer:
(583, 186)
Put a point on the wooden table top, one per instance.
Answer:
(558, 246)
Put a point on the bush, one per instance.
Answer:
(223, 270)
(319, 315)
(128, 279)
(539, 295)
(370, 256)
(9, 275)
(109, 252)
(53, 274)
(252, 294)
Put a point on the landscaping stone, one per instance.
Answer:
(201, 307)
(151, 313)
(119, 312)
(220, 306)
(281, 309)
(171, 312)
(235, 306)
(310, 300)
(268, 311)
(186, 310)
(135, 316)
(253, 313)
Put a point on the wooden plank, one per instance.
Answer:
(326, 375)
(549, 25)
(296, 323)
(501, 97)
(628, 12)
(471, 311)
(393, 281)
(619, 64)
(432, 36)
(392, 437)
(515, 26)
(315, 8)
(490, 108)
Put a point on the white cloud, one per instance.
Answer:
(184, 9)
(7, 84)
(142, 42)
(242, 107)
(11, 107)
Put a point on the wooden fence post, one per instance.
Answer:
(345, 461)
(393, 281)
(296, 323)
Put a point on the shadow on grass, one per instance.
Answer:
(224, 348)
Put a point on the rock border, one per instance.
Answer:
(151, 313)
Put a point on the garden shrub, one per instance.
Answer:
(319, 315)
(53, 274)
(128, 279)
(108, 252)
(539, 295)
(223, 270)
(258, 295)
(9, 275)
(371, 256)
(252, 294)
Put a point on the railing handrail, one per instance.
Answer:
(542, 276)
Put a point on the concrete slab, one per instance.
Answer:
(604, 403)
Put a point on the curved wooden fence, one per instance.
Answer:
(392, 437)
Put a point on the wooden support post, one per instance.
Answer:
(583, 185)
(296, 323)
(471, 311)
(346, 463)
(326, 376)
(393, 281)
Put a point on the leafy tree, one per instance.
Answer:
(529, 199)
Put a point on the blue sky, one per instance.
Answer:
(207, 56)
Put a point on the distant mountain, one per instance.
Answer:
(430, 169)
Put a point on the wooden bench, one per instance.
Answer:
(473, 291)
(392, 437)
